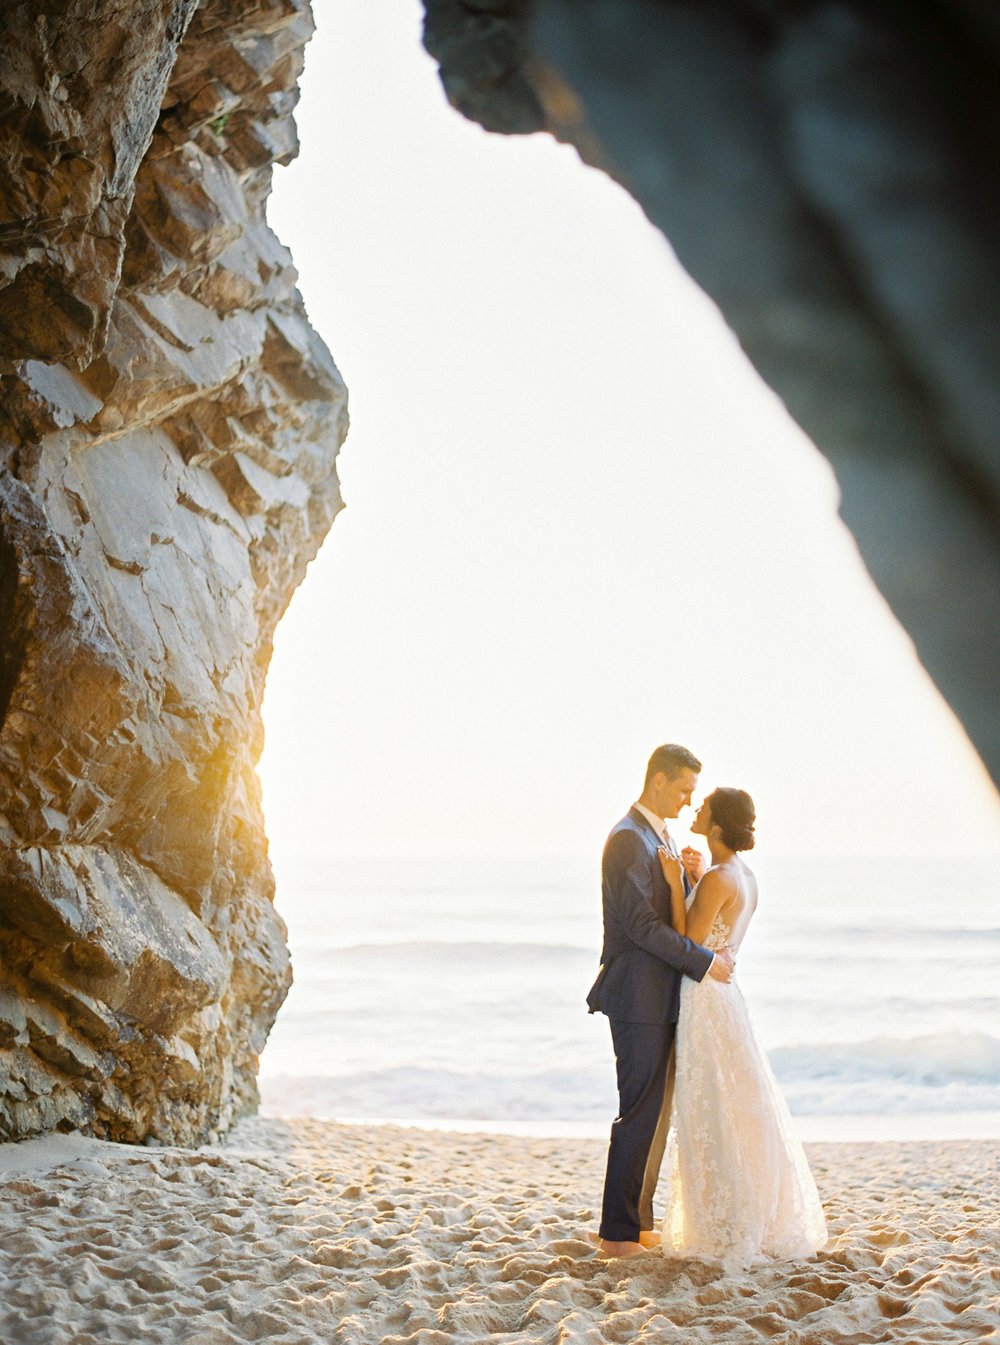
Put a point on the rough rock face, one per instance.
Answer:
(826, 171)
(169, 425)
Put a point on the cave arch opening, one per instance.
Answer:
(464, 689)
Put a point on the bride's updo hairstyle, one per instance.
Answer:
(734, 814)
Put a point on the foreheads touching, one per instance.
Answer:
(671, 779)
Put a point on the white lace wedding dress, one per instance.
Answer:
(737, 1182)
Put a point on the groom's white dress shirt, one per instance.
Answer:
(660, 827)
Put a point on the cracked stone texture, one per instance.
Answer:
(826, 170)
(169, 424)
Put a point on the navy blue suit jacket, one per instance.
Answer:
(643, 957)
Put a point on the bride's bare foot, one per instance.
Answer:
(615, 1249)
(650, 1239)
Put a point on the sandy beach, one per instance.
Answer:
(307, 1231)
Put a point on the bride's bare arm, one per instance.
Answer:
(672, 872)
(713, 892)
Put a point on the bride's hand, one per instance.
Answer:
(671, 870)
(694, 863)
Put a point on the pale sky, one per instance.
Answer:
(578, 524)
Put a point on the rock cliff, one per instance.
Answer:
(826, 171)
(169, 424)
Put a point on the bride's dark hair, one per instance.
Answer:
(733, 812)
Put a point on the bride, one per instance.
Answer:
(739, 1185)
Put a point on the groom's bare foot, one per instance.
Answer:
(649, 1239)
(614, 1249)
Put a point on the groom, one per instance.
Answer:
(638, 987)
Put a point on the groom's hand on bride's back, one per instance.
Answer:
(723, 965)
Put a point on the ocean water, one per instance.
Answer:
(451, 992)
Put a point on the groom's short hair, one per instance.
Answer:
(671, 759)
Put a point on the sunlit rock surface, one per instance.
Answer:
(169, 424)
(826, 171)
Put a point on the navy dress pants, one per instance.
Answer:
(642, 1051)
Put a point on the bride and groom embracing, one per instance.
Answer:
(696, 1093)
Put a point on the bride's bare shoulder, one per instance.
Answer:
(722, 883)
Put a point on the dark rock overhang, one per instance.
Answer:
(826, 170)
